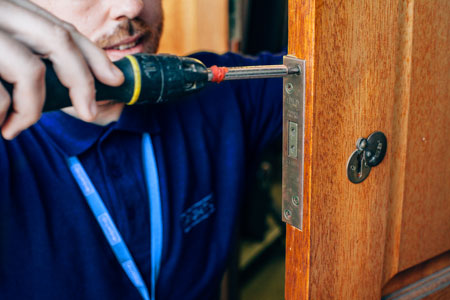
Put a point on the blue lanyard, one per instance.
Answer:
(109, 228)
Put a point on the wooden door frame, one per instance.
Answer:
(298, 244)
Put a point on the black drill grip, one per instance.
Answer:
(149, 79)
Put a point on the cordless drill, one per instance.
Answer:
(151, 78)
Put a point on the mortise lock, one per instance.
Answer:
(293, 141)
(369, 153)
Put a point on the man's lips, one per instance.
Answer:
(126, 43)
(123, 50)
(119, 53)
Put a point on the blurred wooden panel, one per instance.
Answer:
(419, 272)
(425, 230)
(443, 294)
(436, 286)
(195, 25)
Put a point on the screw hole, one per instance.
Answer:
(287, 214)
(289, 88)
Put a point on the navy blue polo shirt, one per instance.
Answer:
(51, 246)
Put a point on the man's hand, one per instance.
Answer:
(27, 33)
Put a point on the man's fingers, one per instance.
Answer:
(96, 58)
(57, 44)
(99, 63)
(72, 55)
(27, 72)
(28, 99)
(74, 73)
(5, 102)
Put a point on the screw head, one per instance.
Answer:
(287, 214)
(295, 200)
(289, 88)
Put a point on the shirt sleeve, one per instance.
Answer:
(260, 100)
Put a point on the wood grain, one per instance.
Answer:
(372, 66)
(426, 207)
(301, 44)
(399, 138)
(348, 46)
(195, 25)
(355, 59)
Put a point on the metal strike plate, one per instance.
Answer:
(293, 142)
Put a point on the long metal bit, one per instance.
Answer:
(254, 72)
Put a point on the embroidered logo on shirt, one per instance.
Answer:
(197, 213)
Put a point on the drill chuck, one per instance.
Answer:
(149, 78)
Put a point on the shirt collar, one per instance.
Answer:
(75, 136)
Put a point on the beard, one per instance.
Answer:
(150, 35)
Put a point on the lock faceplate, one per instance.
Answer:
(293, 142)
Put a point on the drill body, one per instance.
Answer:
(149, 78)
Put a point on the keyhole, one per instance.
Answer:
(360, 165)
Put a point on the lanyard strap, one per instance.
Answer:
(154, 196)
(109, 228)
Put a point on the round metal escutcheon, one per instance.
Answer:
(357, 171)
(376, 149)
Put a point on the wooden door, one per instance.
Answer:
(373, 66)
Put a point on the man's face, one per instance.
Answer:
(121, 27)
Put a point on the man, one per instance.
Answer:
(112, 202)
